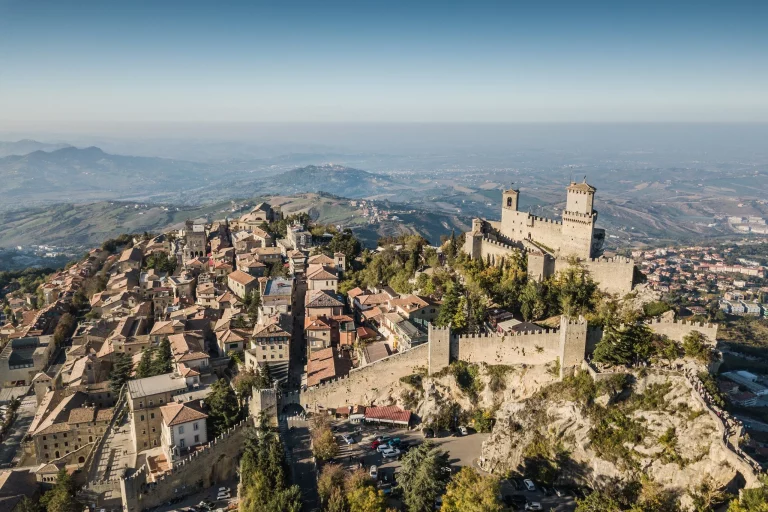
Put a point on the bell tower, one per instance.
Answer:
(509, 199)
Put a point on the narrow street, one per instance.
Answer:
(298, 350)
(300, 459)
(24, 415)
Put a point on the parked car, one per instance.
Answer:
(382, 447)
(374, 472)
(534, 505)
(529, 484)
(347, 439)
(223, 496)
(517, 500)
(383, 439)
(392, 453)
(463, 430)
(223, 489)
(375, 444)
(394, 441)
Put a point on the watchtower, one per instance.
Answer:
(510, 198)
(580, 198)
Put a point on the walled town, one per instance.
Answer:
(270, 362)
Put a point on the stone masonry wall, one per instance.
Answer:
(678, 329)
(216, 462)
(520, 348)
(614, 275)
(364, 384)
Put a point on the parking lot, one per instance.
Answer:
(190, 502)
(462, 451)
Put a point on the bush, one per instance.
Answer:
(655, 308)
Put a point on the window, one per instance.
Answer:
(56, 445)
(197, 439)
(195, 426)
(182, 443)
(265, 356)
(151, 403)
(66, 444)
(154, 430)
(65, 434)
(152, 416)
(43, 438)
(142, 417)
(181, 429)
(45, 447)
(272, 356)
(141, 404)
(161, 401)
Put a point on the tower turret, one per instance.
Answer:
(510, 198)
(580, 198)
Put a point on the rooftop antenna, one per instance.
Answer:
(585, 178)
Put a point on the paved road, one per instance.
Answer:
(300, 458)
(210, 494)
(24, 416)
(298, 348)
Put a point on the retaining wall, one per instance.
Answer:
(519, 348)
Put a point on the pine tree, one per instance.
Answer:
(163, 362)
(121, 372)
(62, 497)
(223, 406)
(144, 368)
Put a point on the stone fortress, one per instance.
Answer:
(552, 245)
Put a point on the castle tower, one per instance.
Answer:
(579, 219)
(439, 348)
(580, 198)
(573, 344)
(509, 199)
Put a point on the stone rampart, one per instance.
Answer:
(362, 385)
(613, 275)
(538, 347)
(215, 462)
(678, 329)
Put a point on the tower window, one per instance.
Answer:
(509, 201)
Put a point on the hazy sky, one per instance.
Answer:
(88, 63)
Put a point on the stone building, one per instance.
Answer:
(195, 239)
(183, 428)
(145, 399)
(552, 245)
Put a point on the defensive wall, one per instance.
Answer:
(566, 344)
(678, 329)
(614, 275)
(362, 385)
(215, 462)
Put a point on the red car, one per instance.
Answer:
(375, 444)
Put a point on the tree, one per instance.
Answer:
(423, 477)
(451, 303)
(263, 475)
(597, 502)
(27, 505)
(252, 302)
(64, 328)
(331, 479)
(469, 491)
(62, 497)
(695, 346)
(324, 446)
(366, 499)
(121, 371)
(223, 407)
(707, 495)
(144, 368)
(752, 500)
(163, 363)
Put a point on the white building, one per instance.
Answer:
(184, 427)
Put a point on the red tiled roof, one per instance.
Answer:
(390, 413)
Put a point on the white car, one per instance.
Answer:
(223, 490)
(463, 430)
(534, 505)
(374, 472)
(390, 454)
(383, 447)
(347, 439)
(529, 485)
(223, 496)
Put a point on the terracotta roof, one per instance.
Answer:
(376, 351)
(176, 414)
(372, 299)
(104, 414)
(321, 274)
(193, 356)
(279, 325)
(389, 414)
(321, 259)
(322, 365)
(354, 292)
(231, 336)
(241, 277)
(186, 371)
(315, 324)
(410, 303)
(322, 299)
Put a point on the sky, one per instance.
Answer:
(88, 64)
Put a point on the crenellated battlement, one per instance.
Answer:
(206, 449)
(681, 322)
(544, 220)
(615, 260)
(503, 245)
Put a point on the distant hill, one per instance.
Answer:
(334, 179)
(26, 146)
(88, 225)
(90, 174)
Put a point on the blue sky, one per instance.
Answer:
(95, 63)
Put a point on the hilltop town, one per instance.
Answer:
(166, 371)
